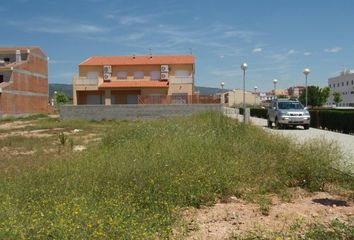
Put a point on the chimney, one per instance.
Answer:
(18, 56)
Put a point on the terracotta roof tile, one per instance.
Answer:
(139, 60)
(134, 84)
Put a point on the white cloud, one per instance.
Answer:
(333, 50)
(257, 50)
(78, 28)
(244, 35)
(291, 51)
(57, 26)
(128, 20)
(307, 53)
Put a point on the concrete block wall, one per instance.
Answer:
(132, 111)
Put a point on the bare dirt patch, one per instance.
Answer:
(31, 133)
(223, 220)
(15, 125)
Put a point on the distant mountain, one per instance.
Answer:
(209, 90)
(65, 88)
(68, 89)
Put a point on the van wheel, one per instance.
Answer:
(277, 124)
(270, 124)
(306, 127)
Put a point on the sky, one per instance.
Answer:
(277, 38)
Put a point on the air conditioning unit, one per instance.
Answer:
(107, 77)
(107, 69)
(164, 69)
(164, 76)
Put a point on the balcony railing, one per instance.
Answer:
(85, 81)
(180, 80)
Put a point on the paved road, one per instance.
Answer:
(344, 141)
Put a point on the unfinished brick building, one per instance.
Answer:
(23, 81)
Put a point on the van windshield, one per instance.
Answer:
(290, 105)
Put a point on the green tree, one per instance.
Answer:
(61, 98)
(325, 94)
(316, 96)
(337, 97)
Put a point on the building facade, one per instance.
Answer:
(235, 98)
(296, 91)
(134, 80)
(281, 92)
(23, 81)
(343, 84)
(265, 96)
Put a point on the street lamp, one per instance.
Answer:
(234, 97)
(255, 95)
(306, 72)
(244, 67)
(275, 81)
(222, 84)
(55, 99)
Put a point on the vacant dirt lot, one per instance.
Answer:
(27, 144)
(237, 217)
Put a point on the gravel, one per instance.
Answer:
(344, 141)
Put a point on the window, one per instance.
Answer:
(7, 59)
(122, 75)
(329, 85)
(182, 76)
(94, 99)
(138, 75)
(1, 78)
(352, 82)
(92, 75)
(155, 75)
(342, 84)
(347, 83)
(337, 84)
(182, 73)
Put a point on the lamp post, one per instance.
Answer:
(222, 84)
(244, 67)
(255, 95)
(234, 97)
(306, 72)
(55, 99)
(275, 81)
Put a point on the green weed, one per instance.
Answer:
(135, 182)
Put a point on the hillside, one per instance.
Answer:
(66, 88)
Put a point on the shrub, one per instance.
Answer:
(257, 112)
(334, 120)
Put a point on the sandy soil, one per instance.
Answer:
(15, 125)
(223, 220)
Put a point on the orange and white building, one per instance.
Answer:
(23, 81)
(134, 79)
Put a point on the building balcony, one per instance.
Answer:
(86, 81)
(180, 80)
